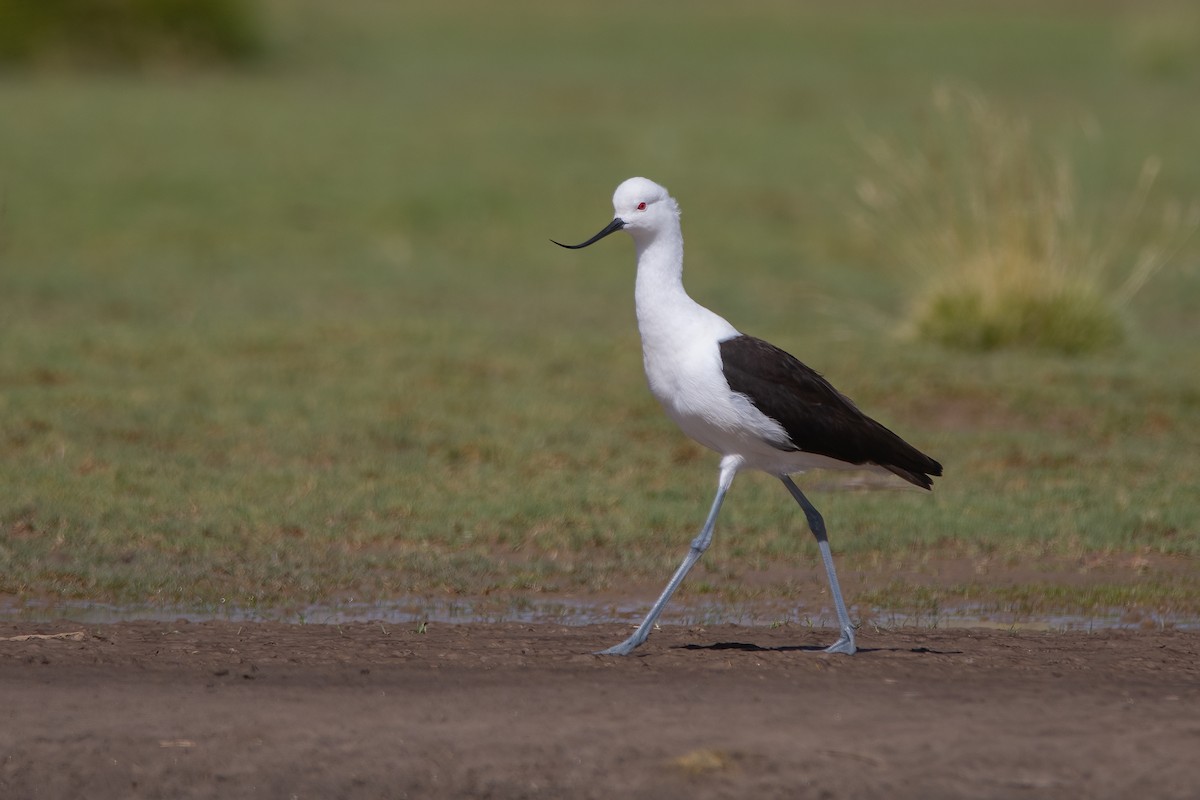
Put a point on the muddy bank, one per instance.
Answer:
(512, 711)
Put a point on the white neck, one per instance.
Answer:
(664, 309)
(660, 272)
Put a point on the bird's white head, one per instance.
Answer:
(643, 209)
(643, 205)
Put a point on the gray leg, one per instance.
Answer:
(816, 524)
(729, 468)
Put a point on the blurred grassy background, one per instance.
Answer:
(293, 331)
(127, 33)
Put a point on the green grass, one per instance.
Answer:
(298, 334)
(109, 34)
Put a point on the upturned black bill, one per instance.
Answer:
(613, 227)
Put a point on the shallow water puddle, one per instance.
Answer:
(415, 611)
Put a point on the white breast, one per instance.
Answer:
(682, 357)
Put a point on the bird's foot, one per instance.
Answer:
(623, 649)
(845, 644)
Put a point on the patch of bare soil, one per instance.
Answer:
(147, 710)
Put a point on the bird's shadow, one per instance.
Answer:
(747, 647)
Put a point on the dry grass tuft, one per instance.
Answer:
(993, 229)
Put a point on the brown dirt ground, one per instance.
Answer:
(221, 709)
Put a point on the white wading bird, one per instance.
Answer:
(756, 405)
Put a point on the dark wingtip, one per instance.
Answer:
(922, 477)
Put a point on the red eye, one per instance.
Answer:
(641, 206)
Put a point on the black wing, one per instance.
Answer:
(817, 417)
